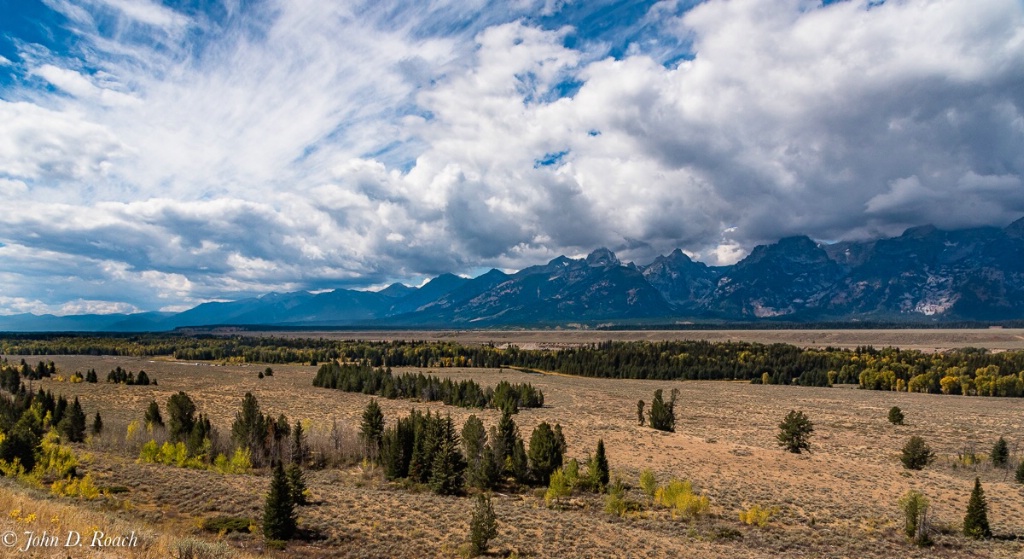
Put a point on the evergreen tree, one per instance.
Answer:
(518, 463)
(483, 527)
(153, 417)
(662, 414)
(915, 515)
(640, 412)
(1019, 474)
(142, 379)
(563, 448)
(545, 454)
(297, 484)
(279, 521)
(976, 520)
(448, 466)
(72, 426)
(794, 431)
(1000, 453)
(474, 443)
(896, 416)
(598, 470)
(298, 444)
(249, 430)
(97, 424)
(916, 454)
(371, 429)
(181, 416)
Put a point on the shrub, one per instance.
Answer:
(225, 524)
(678, 496)
(896, 416)
(648, 483)
(915, 515)
(558, 489)
(1019, 475)
(794, 431)
(758, 516)
(194, 548)
(483, 527)
(916, 454)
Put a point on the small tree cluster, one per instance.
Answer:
(915, 517)
(265, 438)
(121, 376)
(424, 448)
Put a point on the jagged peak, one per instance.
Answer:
(602, 257)
(1015, 229)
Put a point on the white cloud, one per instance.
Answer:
(313, 144)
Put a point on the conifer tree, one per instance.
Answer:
(249, 430)
(663, 414)
(298, 444)
(279, 522)
(181, 416)
(97, 424)
(794, 431)
(1019, 474)
(640, 412)
(153, 417)
(72, 425)
(976, 520)
(297, 484)
(448, 466)
(371, 429)
(896, 416)
(545, 453)
(1000, 453)
(598, 470)
(483, 527)
(474, 442)
(916, 454)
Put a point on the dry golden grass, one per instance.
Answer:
(838, 501)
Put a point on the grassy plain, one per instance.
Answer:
(838, 501)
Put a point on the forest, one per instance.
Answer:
(966, 371)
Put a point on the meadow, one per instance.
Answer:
(840, 500)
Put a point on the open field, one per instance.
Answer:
(839, 501)
(924, 340)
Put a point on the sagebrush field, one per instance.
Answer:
(841, 500)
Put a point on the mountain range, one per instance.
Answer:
(926, 275)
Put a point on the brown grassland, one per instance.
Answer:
(838, 501)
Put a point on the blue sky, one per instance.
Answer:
(155, 155)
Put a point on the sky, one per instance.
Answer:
(157, 155)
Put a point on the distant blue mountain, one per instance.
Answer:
(926, 275)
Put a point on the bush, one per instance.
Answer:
(915, 515)
(225, 524)
(758, 515)
(648, 483)
(916, 454)
(1019, 476)
(558, 489)
(483, 527)
(678, 496)
(194, 548)
(896, 416)
(794, 431)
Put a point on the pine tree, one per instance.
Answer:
(640, 412)
(72, 425)
(545, 455)
(794, 431)
(474, 443)
(448, 466)
(181, 416)
(1000, 453)
(298, 444)
(279, 521)
(297, 484)
(662, 414)
(896, 416)
(976, 520)
(249, 430)
(1019, 474)
(483, 527)
(916, 454)
(153, 417)
(97, 424)
(598, 471)
(915, 515)
(371, 429)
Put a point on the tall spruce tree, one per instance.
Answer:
(449, 464)
(249, 429)
(297, 484)
(371, 429)
(976, 520)
(181, 417)
(279, 521)
(72, 426)
(97, 424)
(298, 444)
(474, 443)
(598, 469)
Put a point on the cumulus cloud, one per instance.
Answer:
(175, 158)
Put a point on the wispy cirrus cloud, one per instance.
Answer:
(176, 155)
